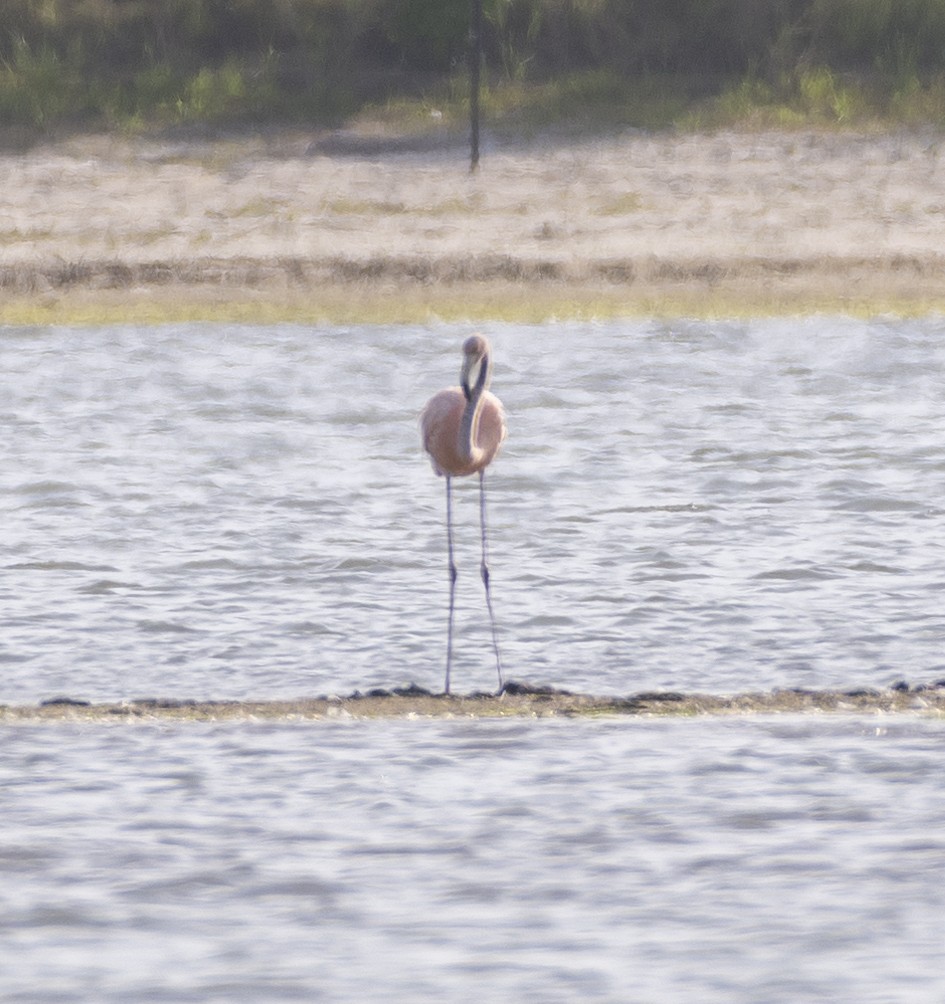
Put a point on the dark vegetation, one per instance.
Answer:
(144, 63)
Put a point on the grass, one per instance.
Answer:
(261, 206)
(589, 101)
(822, 98)
(418, 303)
(622, 205)
(15, 235)
(601, 101)
(579, 104)
(380, 207)
(40, 91)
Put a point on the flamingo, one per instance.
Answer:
(462, 429)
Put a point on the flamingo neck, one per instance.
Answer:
(469, 427)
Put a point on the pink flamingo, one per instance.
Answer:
(462, 429)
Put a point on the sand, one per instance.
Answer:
(518, 701)
(372, 227)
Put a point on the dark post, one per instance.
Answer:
(475, 62)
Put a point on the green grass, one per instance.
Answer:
(598, 103)
(601, 102)
(41, 90)
(820, 98)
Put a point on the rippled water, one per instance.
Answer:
(213, 511)
(626, 861)
(230, 512)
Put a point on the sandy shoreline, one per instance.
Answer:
(524, 702)
(295, 227)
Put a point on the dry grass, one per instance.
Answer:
(408, 290)
(295, 227)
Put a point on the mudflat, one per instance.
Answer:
(517, 701)
(369, 226)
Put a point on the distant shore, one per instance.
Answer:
(340, 229)
(519, 702)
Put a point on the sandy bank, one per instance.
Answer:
(301, 227)
(413, 702)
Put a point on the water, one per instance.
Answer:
(735, 860)
(213, 511)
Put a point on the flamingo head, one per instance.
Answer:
(475, 356)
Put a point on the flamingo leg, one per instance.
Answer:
(452, 571)
(484, 570)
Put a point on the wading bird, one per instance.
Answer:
(462, 429)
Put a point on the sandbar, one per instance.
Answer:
(516, 701)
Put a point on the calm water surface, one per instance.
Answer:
(212, 511)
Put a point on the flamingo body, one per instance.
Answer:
(441, 423)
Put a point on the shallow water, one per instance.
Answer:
(244, 512)
(736, 860)
(212, 511)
